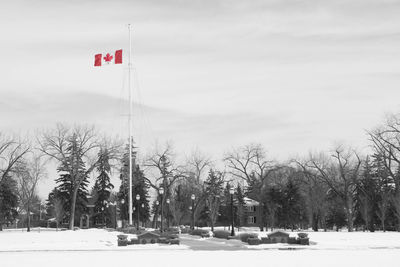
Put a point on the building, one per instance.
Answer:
(251, 212)
(246, 215)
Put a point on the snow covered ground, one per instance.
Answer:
(97, 247)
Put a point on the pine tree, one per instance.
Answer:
(383, 190)
(275, 202)
(8, 201)
(292, 205)
(139, 187)
(213, 190)
(102, 187)
(367, 196)
(73, 182)
(240, 206)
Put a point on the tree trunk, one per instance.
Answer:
(155, 218)
(349, 216)
(72, 215)
(315, 222)
(261, 221)
(29, 217)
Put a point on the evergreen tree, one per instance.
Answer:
(336, 216)
(73, 182)
(8, 201)
(275, 201)
(103, 187)
(213, 191)
(384, 190)
(239, 196)
(292, 205)
(139, 187)
(367, 196)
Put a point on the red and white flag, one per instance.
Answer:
(101, 59)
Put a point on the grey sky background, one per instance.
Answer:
(293, 75)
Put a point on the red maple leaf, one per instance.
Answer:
(108, 58)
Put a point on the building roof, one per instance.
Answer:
(278, 234)
(148, 235)
(250, 202)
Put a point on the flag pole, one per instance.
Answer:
(130, 125)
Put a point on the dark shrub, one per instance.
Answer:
(208, 234)
(266, 240)
(198, 232)
(253, 241)
(163, 240)
(292, 240)
(122, 240)
(172, 230)
(245, 236)
(304, 241)
(134, 241)
(302, 235)
(174, 241)
(221, 234)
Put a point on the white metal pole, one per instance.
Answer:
(130, 125)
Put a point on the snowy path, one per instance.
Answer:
(211, 244)
(99, 248)
(186, 258)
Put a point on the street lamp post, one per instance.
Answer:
(122, 208)
(105, 205)
(143, 215)
(162, 210)
(114, 204)
(137, 200)
(167, 212)
(193, 197)
(157, 203)
(231, 192)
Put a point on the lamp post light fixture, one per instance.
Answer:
(114, 205)
(123, 211)
(162, 210)
(157, 203)
(193, 197)
(167, 212)
(231, 192)
(138, 210)
(103, 209)
(143, 222)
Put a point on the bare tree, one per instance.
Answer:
(249, 163)
(68, 146)
(198, 164)
(315, 194)
(341, 175)
(386, 143)
(164, 173)
(31, 171)
(12, 152)
(214, 186)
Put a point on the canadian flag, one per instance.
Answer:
(108, 58)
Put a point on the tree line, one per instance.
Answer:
(330, 189)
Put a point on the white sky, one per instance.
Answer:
(292, 75)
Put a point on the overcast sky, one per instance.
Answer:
(292, 75)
